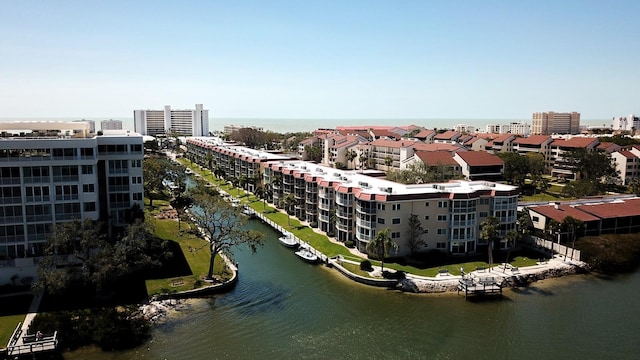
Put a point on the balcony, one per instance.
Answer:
(366, 224)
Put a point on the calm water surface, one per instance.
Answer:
(283, 308)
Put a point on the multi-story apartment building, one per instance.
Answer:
(194, 122)
(515, 128)
(356, 206)
(547, 123)
(230, 129)
(627, 165)
(60, 172)
(626, 123)
(503, 143)
(561, 165)
(535, 143)
(111, 124)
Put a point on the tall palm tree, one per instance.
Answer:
(555, 228)
(511, 238)
(572, 226)
(351, 154)
(388, 161)
(489, 233)
(381, 245)
(288, 201)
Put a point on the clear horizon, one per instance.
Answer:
(320, 60)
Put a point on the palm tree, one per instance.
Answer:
(381, 246)
(351, 154)
(489, 233)
(388, 161)
(554, 228)
(511, 238)
(243, 180)
(267, 194)
(287, 202)
(209, 159)
(572, 226)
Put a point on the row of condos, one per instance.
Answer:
(356, 205)
(46, 180)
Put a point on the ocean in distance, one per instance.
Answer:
(283, 125)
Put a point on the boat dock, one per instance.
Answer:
(30, 344)
(480, 286)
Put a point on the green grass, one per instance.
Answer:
(7, 326)
(196, 253)
(542, 197)
(355, 268)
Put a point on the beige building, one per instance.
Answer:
(547, 123)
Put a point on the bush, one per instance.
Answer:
(398, 275)
(365, 265)
(314, 224)
(349, 244)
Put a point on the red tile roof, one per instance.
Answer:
(439, 147)
(480, 158)
(628, 154)
(576, 143)
(532, 140)
(434, 158)
(504, 137)
(560, 214)
(424, 134)
(448, 135)
(612, 210)
(393, 143)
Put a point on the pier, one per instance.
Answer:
(480, 286)
(30, 344)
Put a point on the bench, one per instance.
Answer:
(443, 272)
(177, 282)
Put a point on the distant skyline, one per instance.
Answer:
(320, 59)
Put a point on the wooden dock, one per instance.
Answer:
(480, 286)
(29, 345)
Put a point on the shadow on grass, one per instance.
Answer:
(437, 259)
(176, 265)
(15, 305)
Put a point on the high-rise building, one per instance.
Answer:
(194, 122)
(59, 172)
(626, 123)
(111, 124)
(547, 123)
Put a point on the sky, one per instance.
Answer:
(320, 59)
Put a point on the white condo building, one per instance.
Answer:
(58, 172)
(193, 122)
(626, 123)
(516, 128)
(111, 124)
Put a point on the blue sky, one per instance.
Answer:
(320, 59)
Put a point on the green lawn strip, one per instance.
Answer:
(355, 269)
(7, 326)
(195, 251)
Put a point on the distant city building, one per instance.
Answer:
(230, 129)
(547, 123)
(111, 124)
(516, 128)
(58, 172)
(92, 125)
(626, 123)
(182, 122)
(464, 128)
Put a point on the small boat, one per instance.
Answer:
(189, 171)
(306, 255)
(288, 240)
(248, 212)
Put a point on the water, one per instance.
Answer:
(283, 308)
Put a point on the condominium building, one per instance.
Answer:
(626, 123)
(192, 122)
(547, 123)
(111, 124)
(59, 172)
(516, 128)
(355, 207)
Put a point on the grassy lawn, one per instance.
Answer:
(7, 326)
(195, 252)
(542, 197)
(355, 269)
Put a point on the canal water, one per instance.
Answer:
(283, 308)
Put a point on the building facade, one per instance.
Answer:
(191, 122)
(46, 180)
(111, 124)
(352, 206)
(547, 123)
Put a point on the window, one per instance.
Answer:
(441, 245)
(483, 214)
(37, 193)
(426, 204)
(484, 201)
(381, 207)
(380, 221)
(426, 217)
(395, 235)
(395, 207)
(396, 221)
(442, 231)
(535, 219)
(87, 169)
(88, 188)
(89, 206)
(66, 192)
(425, 231)
(137, 196)
(136, 180)
(442, 217)
(136, 163)
(443, 204)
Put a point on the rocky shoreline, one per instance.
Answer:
(554, 268)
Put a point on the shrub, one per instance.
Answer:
(365, 265)
(398, 275)
(349, 244)
(314, 224)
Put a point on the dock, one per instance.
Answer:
(28, 344)
(480, 286)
